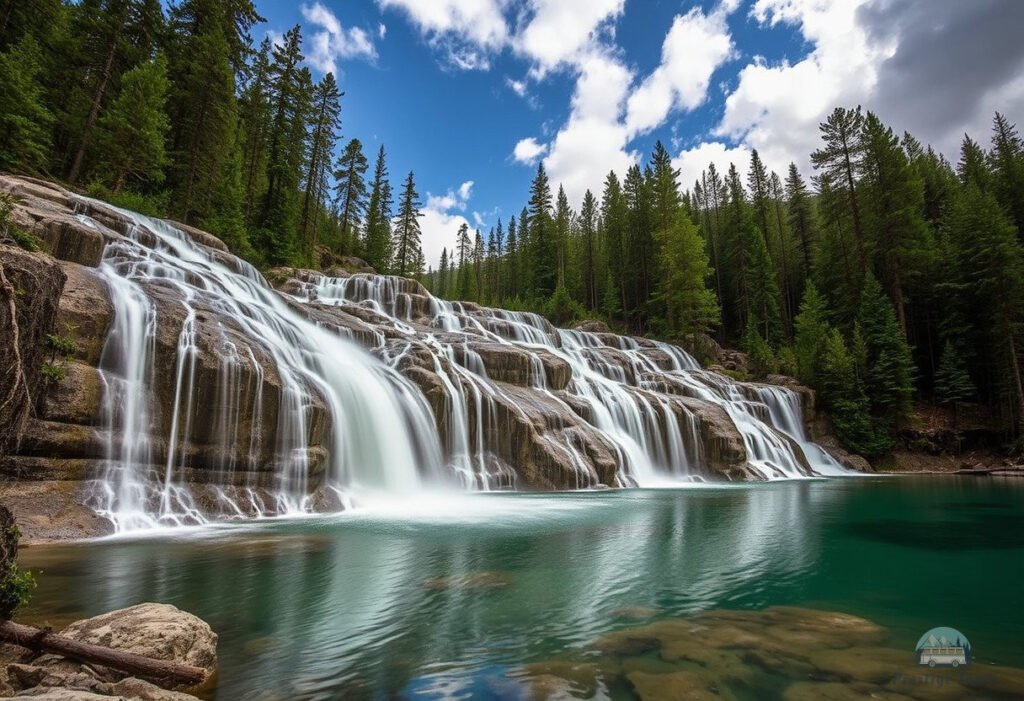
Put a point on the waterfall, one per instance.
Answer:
(380, 433)
(277, 409)
(652, 447)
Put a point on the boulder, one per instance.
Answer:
(515, 365)
(158, 631)
(592, 326)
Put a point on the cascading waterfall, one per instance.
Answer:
(381, 434)
(653, 448)
(341, 421)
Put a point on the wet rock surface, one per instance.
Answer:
(780, 653)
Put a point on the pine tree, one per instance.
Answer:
(615, 220)
(889, 380)
(465, 249)
(290, 93)
(952, 381)
(757, 184)
(543, 236)
(973, 168)
(989, 271)
(1008, 169)
(895, 199)
(110, 36)
(254, 120)
(407, 228)
(350, 195)
(812, 331)
(207, 42)
(323, 136)
(514, 271)
(685, 272)
(24, 120)
(131, 131)
(377, 240)
(441, 288)
(588, 232)
(842, 393)
(562, 220)
(841, 160)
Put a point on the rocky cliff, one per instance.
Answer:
(188, 388)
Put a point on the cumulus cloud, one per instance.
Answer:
(694, 48)
(330, 41)
(442, 217)
(693, 161)
(528, 150)
(559, 32)
(465, 31)
(382, 30)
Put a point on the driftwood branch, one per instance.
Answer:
(175, 673)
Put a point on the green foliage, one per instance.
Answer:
(762, 360)
(691, 307)
(812, 332)
(24, 119)
(842, 392)
(154, 205)
(131, 132)
(22, 238)
(61, 345)
(53, 372)
(16, 588)
(889, 368)
(561, 309)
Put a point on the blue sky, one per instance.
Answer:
(470, 94)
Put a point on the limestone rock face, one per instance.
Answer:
(30, 288)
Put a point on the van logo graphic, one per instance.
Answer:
(943, 647)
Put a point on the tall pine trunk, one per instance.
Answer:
(94, 110)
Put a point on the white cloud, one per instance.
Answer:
(528, 150)
(330, 41)
(453, 199)
(594, 139)
(466, 31)
(561, 31)
(382, 30)
(694, 161)
(695, 46)
(517, 86)
(442, 219)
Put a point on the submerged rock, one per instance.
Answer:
(792, 653)
(478, 581)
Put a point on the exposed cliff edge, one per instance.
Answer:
(189, 389)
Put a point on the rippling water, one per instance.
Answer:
(444, 596)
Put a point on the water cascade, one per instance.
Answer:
(347, 386)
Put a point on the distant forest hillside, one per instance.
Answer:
(886, 274)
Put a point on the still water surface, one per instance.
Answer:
(446, 596)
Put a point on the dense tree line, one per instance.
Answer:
(891, 273)
(178, 114)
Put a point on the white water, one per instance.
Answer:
(381, 436)
(609, 373)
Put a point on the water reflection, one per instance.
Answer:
(316, 608)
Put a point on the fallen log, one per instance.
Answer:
(170, 673)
